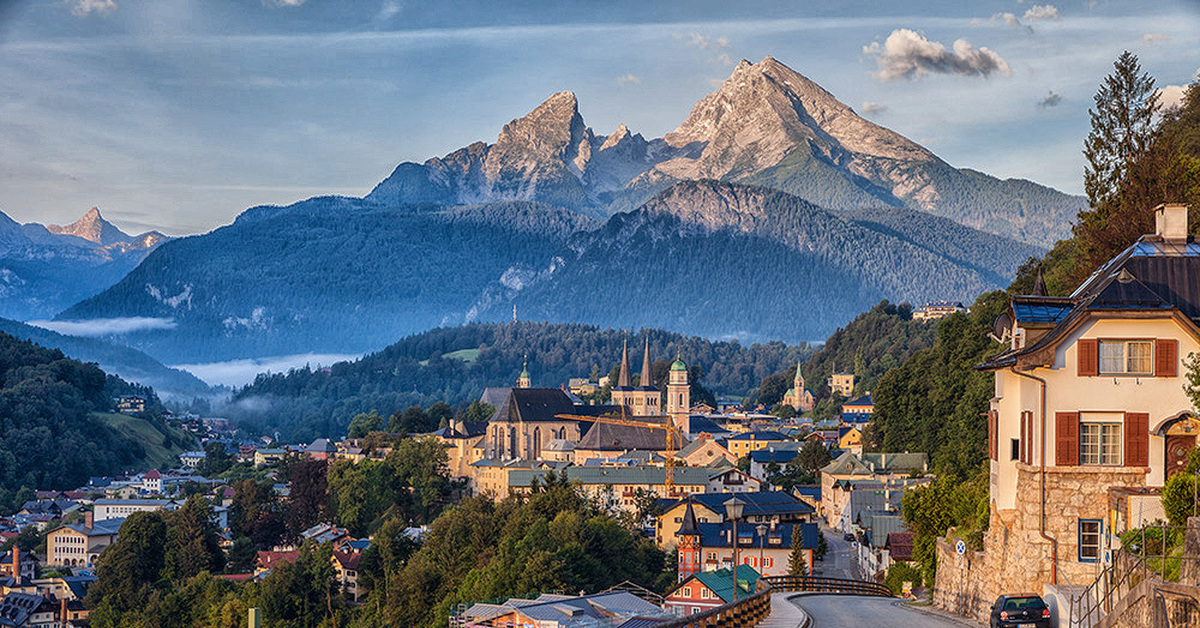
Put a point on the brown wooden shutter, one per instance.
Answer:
(1088, 357)
(1166, 356)
(1024, 445)
(1029, 437)
(993, 434)
(1066, 435)
(1137, 439)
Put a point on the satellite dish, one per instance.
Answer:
(1002, 326)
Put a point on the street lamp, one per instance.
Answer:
(762, 530)
(733, 512)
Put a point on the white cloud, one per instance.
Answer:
(283, 3)
(106, 326)
(629, 79)
(1170, 96)
(703, 42)
(1151, 39)
(1041, 12)
(1051, 100)
(84, 8)
(1007, 18)
(869, 107)
(908, 54)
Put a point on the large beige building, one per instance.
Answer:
(1089, 407)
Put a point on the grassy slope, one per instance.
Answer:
(158, 454)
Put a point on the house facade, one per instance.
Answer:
(705, 590)
(1089, 404)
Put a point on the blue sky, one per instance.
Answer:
(177, 115)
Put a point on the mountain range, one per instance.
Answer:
(772, 211)
(44, 269)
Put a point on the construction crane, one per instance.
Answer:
(674, 437)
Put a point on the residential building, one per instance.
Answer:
(192, 459)
(321, 449)
(705, 590)
(267, 560)
(611, 608)
(850, 439)
(842, 384)
(703, 451)
(937, 310)
(121, 508)
(1088, 400)
(622, 488)
(746, 442)
(27, 610)
(131, 404)
(152, 481)
(773, 459)
(861, 405)
(80, 545)
(347, 559)
(769, 507)
(464, 445)
(264, 457)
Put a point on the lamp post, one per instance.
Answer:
(733, 512)
(762, 530)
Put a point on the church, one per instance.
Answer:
(796, 396)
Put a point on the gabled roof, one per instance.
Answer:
(322, 445)
(564, 610)
(847, 464)
(610, 437)
(757, 504)
(1151, 277)
(494, 395)
(864, 400)
(896, 463)
(533, 404)
(699, 424)
(720, 581)
(780, 537)
(776, 455)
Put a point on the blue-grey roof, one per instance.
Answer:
(864, 400)
(759, 435)
(778, 456)
(1041, 312)
(567, 611)
(699, 424)
(758, 504)
(717, 535)
(809, 491)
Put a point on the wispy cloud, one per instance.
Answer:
(1007, 18)
(241, 372)
(283, 3)
(106, 326)
(389, 10)
(1151, 39)
(1050, 100)
(1041, 12)
(84, 8)
(909, 55)
(869, 107)
(629, 79)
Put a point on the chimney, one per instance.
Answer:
(16, 554)
(1171, 222)
(62, 610)
(88, 519)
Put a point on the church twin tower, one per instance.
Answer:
(644, 400)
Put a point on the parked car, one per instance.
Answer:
(1020, 611)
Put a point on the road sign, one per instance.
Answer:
(960, 547)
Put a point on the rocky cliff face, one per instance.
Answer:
(766, 125)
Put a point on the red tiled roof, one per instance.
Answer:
(348, 560)
(268, 560)
(900, 544)
(153, 474)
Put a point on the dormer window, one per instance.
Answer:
(1126, 357)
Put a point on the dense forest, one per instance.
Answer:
(455, 364)
(50, 434)
(875, 342)
(792, 270)
(158, 572)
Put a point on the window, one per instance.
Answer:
(1015, 454)
(704, 591)
(1100, 443)
(1089, 540)
(713, 556)
(1127, 357)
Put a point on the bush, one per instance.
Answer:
(900, 573)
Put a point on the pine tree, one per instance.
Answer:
(797, 566)
(1122, 124)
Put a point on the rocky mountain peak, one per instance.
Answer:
(93, 228)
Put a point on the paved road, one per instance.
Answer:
(849, 611)
(839, 559)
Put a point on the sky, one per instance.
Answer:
(177, 115)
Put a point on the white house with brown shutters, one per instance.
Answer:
(1089, 402)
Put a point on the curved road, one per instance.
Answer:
(850, 611)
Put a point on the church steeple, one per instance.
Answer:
(523, 380)
(646, 377)
(689, 544)
(623, 378)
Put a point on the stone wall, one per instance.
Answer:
(1015, 557)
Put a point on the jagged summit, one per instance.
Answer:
(766, 125)
(93, 228)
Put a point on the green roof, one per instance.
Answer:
(678, 365)
(721, 581)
